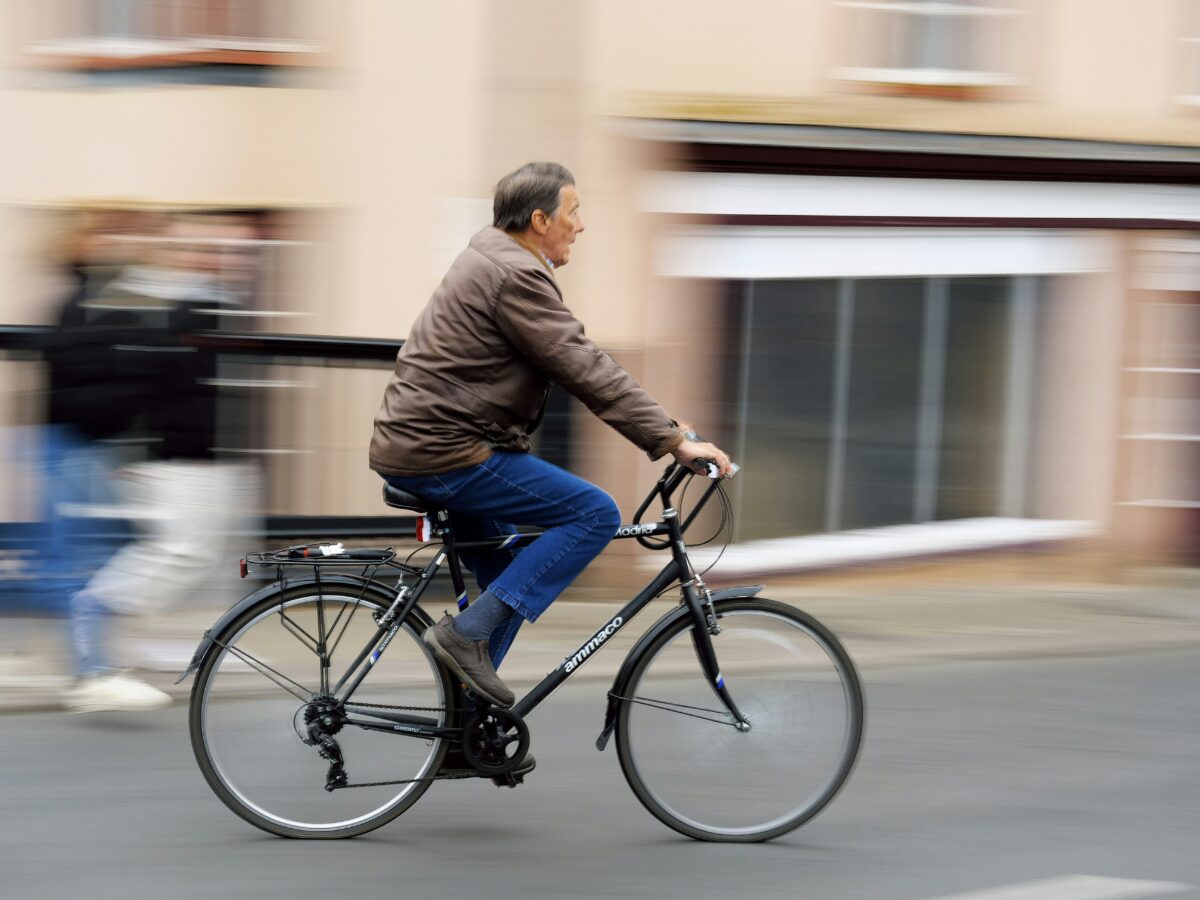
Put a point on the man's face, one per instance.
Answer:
(562, 227)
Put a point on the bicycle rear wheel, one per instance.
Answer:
(256, 688)
(694, 770)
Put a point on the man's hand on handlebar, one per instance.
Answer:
(694, 452)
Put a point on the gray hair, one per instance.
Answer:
(536, 185)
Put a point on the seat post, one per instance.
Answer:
(400, 499)
(456, 575)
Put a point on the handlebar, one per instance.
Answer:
(672, 477)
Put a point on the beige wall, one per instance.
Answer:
(1111, 57)
(212, 144)
(401, 146)
(768, 48)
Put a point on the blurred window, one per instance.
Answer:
(972, 414)
(242, 267)
(1190, 93)
(249, 262)
(1162, 386)
(957, 44)
(883, 396)
(781, 400)
(860, 403)
(139, 34)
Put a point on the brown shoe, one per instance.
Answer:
(468, 660)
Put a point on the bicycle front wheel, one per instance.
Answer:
(695, 771)
(262, 685)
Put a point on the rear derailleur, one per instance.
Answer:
(323, 718)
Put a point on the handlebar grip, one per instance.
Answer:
(710, 469)
(707, 467)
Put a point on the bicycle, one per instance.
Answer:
(742, 750)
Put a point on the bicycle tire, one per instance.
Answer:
(688, 764)
(237, 709)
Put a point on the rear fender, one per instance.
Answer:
(626, 670)
(369, 589)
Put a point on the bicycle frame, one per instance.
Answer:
(695, 596)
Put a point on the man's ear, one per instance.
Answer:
(539, 221)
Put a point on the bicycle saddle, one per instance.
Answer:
(398, 499)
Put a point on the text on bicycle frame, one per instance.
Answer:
(596, 640)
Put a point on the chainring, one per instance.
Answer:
(487, 737)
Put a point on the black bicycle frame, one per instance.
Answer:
(679, 569)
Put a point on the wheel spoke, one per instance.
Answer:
(267, 672)
(681, 709)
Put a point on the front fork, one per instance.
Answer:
(698, 600)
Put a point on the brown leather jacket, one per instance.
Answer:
(473, 375)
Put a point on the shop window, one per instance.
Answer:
(860, 403)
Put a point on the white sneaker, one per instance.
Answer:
(103, 693)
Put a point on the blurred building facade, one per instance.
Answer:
(927, 266)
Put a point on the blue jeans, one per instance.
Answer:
(77, 539)
(90, 623)
(511, 489)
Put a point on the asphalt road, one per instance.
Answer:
(975, 776)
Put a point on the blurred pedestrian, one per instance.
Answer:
(72, 468)
(96, 385)
(184, 503)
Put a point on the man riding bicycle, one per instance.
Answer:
(470, 386)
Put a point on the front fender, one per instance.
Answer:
(626, 670)
(207, 643)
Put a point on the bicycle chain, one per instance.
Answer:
(390, 706)
(367, 784)
(456, 777)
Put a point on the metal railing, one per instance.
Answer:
(315, 350)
